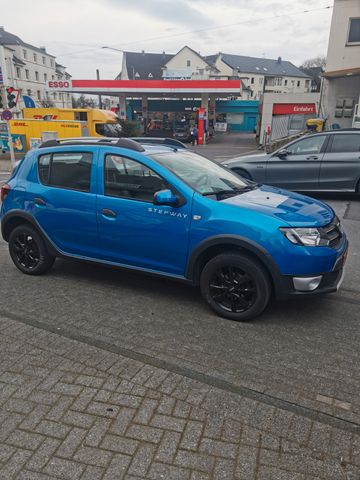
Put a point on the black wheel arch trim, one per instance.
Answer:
(232, 241)
(29, 219)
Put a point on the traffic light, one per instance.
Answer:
(11, 98)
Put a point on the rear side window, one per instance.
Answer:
(66, 170)
(346, 143)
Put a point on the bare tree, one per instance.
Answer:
(83, 102)
(319, 61)
(47, 103)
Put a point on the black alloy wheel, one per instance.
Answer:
(28, 251)
(233, 289)
(235, 285)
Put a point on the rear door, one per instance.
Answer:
(62, 198)
(300, 168)
(340, 168)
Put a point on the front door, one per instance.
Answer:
(132, 230)
(300, 168)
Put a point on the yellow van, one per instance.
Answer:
(94, 122)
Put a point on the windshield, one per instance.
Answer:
(108, 129)
(203, 175)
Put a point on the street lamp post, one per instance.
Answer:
(116, 50)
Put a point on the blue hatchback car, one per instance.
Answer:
(171, 212)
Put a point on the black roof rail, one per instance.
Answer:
(114, 142)
(168, 142)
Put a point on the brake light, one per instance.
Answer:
(5, 189)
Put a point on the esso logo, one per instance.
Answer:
(59, 84)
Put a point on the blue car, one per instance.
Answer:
(168, 211)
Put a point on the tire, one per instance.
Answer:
(28, 251)
(235, 286)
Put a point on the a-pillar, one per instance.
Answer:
(145, 112)
(122, 107)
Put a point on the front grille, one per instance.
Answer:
(333, 233)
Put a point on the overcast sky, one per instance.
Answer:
(75, 30)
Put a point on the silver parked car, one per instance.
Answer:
(328, 161)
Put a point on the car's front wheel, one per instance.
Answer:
(235, 286)
(28, 251)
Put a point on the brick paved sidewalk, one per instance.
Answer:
(73, 411)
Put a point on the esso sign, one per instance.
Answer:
(60, 84)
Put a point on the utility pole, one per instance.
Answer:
(98, 78)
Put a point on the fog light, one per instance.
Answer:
(306, 284)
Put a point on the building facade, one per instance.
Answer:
(341, 84)
(29, 69)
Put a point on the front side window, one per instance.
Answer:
(127, 178)
(70, 170)
(346, 143)
(201, 174)
(307, 146)
(354, 30)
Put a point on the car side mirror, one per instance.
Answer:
(283, 153)
(165, 197)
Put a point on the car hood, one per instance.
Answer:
(259, 157)
(289, 208)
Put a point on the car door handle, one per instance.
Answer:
(312, 157)
(39, 201)
(108, 213)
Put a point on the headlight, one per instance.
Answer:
(309, 237)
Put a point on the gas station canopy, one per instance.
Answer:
(149, 87)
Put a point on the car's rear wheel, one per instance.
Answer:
(28, 251)
(235, 286)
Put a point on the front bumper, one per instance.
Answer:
(288, 286)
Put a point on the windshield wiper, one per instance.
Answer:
(235, 191)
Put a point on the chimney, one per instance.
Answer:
(143, 52)
(43, 49)
(279, 60)
(2, 28)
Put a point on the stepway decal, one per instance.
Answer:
(170, 213)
